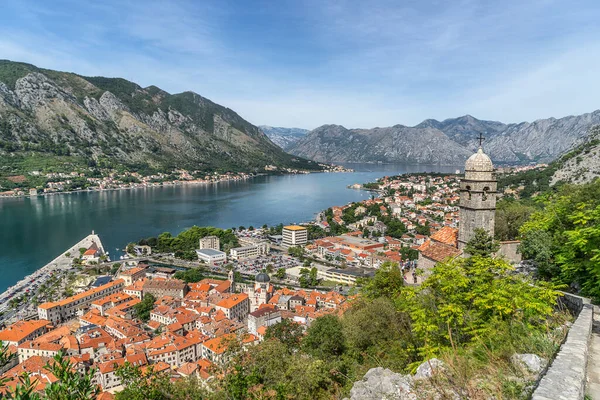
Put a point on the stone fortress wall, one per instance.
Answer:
(565, 378)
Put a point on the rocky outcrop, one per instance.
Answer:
(449, 141)
(118, 122)
(382, 384)
(531, 362)
(429, 368)
(581, 165)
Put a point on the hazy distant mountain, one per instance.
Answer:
(465, 130)
(449, 141)
(58, 117)
(283, 137)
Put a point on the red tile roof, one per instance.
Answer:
(438, 251)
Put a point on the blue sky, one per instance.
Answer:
(307, 63)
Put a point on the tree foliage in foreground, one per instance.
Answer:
(71, 385)
(472, 299)
(564, 238)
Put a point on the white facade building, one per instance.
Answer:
(255, 250)
(211, 256)
(294, 235)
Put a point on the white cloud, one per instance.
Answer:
(367, 63)
(564, 85)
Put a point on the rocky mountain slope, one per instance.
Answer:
(394, 144)
(449, 141)
(283, 137)
(114, 122)
(582, 164)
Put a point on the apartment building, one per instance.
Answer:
(294, 235)
(250, 251)
(210, 242)
(235, 307)
(175, 288)
(60, 311)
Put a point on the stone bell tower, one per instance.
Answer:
(477, 197)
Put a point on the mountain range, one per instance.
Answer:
(52, 115)
(447, 142)
(283, 137)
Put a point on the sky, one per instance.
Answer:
(305, 63)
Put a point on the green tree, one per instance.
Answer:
(481, 244)
(510, 216)
(296, 251)
(387, 282)
(579, 256)
(287, 332)
(115, 268)
(280, 274)
(140, 385)
(473, 299)
(423, 229)
(143, 308)
(71, 385)
(570, 218)
(325, 338)
(130, 248)
(377, 329)
(191, 275)
(313, 276)
(536, 245)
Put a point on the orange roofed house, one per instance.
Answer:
(440, 246)
(22, 331)
(63, 310)
(235, 307)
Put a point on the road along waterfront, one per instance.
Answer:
(30, 284)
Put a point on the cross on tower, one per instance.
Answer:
(481, 139)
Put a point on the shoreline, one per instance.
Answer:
(138, 186)
(157, 185)
(61, 262)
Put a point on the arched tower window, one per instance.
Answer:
(485, 193)
(468, 191)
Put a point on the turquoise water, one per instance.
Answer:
(34, 231)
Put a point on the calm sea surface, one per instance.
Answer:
(33, 231)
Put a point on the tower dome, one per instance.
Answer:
(262, 278)
(477, 197)
(479, 162)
